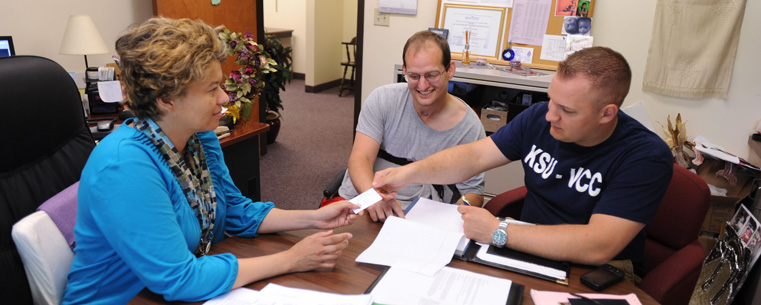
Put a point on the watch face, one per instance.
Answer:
(499, 238)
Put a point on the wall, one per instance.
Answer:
(626, 28)
(325, 22)
(37, 26)
(349, 20)
(290, 14)
(317, 50)
(723, 122)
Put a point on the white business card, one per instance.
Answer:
(366, 199)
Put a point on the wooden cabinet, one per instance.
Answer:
(236, 15)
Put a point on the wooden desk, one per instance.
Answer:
(241, 151)
(350, 277)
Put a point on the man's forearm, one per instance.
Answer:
(592, 244)
(448, 166)
(361, 174)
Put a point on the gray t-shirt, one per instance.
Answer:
(389, 117)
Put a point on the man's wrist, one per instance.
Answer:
(499, 237)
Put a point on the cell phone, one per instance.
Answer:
(602, 277)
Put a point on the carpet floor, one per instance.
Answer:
(314, 143)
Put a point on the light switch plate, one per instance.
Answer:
(382, 19)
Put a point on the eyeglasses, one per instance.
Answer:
(431, 77)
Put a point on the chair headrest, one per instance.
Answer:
(43, 109)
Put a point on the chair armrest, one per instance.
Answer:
(332, 189)
(507, 204)
(673, 281)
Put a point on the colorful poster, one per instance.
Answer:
(566, 8)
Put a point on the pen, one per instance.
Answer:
(465, 200)
(592, 301)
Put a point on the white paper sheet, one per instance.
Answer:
(110, 91)
(237, 296)
(574, 43)
(274, 294)
(482, 254)
(436, 214)
(412, 246)
(448, 286)
(704, 146)
(524, 55)
(439, 215)
(553, 48)
(529, 21)
(296, 296)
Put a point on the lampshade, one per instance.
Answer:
(82, 37)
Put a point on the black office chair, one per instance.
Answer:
(46, 143)
(351, 55)
(331, 191)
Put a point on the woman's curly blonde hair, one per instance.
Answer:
(161, 57)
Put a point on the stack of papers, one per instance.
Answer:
(449, 286)
(439, 215)
(274, 294)
(412, 246)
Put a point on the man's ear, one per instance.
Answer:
(609, 112)
(452, 69)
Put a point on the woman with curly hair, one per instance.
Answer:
(156, 193)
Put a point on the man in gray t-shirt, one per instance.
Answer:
(410, 121)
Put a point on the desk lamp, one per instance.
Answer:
(82, 38)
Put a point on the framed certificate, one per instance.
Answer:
(485, 24)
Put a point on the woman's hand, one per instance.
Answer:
(319, 251)
(334, 215)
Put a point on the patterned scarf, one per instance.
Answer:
(192, 173)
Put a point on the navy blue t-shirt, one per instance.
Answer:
(625, 176)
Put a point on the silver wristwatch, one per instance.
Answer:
(499, 237)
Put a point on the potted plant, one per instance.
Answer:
(274, 82)
(246, 83)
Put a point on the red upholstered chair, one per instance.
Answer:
(673, 254)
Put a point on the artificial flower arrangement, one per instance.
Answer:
(246, 83)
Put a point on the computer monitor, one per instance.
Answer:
(6, 46)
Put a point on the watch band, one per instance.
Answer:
(499, 237)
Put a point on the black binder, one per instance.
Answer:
(514, 297)
(473, 247)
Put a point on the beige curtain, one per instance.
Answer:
(693, 46)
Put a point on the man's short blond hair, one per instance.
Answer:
(607, 70)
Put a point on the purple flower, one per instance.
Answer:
(248, 35)
(249, 70)
(235, 75)
(244, 54)
(233, 43)
(233, 96)
(252, 81)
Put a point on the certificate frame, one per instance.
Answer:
(486, 35)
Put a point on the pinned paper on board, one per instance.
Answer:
(574, 43)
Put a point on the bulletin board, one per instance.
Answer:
(492, 27)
